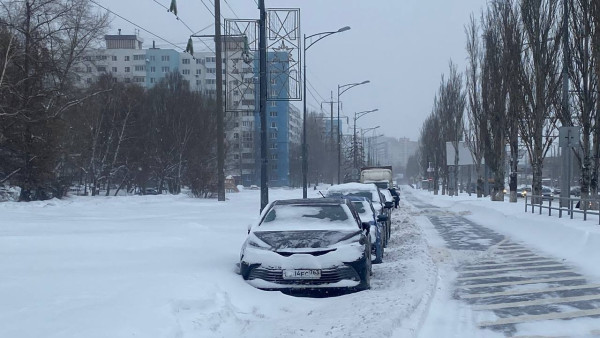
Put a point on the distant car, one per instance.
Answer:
(523, 191)
(308, 244)
(151, 191)
(576, 191)
(547, 193)
(254, 187)
(367, 213)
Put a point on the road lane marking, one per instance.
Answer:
(525, 274)
(524, 292)
(545, 301)
(522, 282)
(545, 260)
(514, 268)
(549, 316)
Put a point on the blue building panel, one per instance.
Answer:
(278, 138)
(159, 63)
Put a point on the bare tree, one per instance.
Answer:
(475, 118)
(539, 79)
(51, 35)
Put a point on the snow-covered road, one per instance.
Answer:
(164, 266)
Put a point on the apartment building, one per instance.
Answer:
(125, 58)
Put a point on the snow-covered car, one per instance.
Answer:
(367, 213)
(373, 193)
(308, 244)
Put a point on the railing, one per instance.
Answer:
(588, 206)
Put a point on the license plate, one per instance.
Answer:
(301, 274)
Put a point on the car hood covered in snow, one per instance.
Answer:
(281, 240)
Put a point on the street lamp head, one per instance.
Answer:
(365, 82)
(343, 29)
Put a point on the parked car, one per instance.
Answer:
(308, 244)
(367, 213)
(576, 191)
(370, 191)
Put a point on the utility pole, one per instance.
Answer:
(262, 46)
(219, 93)
(331, 140)
(566, 155)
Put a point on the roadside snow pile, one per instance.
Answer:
(164, 266)
(575, 240)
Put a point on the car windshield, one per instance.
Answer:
(304, 216)
(364, 209)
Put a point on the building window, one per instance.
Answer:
(114, 69)
(140, 68)
(198, 82)
(165, 58)
(152, 58)
(210, 81)
(273, 114)
(127, 69)
(236, 156)
(138, 57)
(273, 104)
(185, 61)
(152, 80)
(89, 69)
(165, 69)
(101, 68)
(114, 58)
(274, 167)
(273, 81)
(273, 124)
(139, 79)
(198, 71)
(153, 69)
(274, 135)
(236, 146)
(247, 156)
(199, 61)
(127, 80)
(211, 59)
(185, 71)
(273, 156)
(273, 92)
(247, 124)
(126, 57)
(236, 136)
(273, 145)
(211, 70)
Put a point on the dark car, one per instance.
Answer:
(367, 213)
(308, 244)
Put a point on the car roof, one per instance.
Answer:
(311, 201)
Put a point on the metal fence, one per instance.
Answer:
(586, 207)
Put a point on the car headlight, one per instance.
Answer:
(256, 243)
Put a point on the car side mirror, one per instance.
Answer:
(389, 204)
(382, 218)
(366, 226)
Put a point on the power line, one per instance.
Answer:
(136, 25)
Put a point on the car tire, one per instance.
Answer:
(378, 253)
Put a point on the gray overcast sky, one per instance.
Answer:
(401, 46)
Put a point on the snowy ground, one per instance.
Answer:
(164, 266)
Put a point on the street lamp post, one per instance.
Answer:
(304, 146)
(356, 117)
(339, 131)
